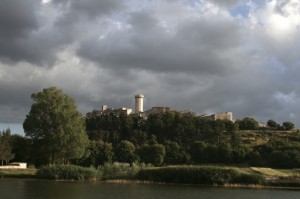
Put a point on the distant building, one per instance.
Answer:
(222, 116)
(262, 125)
(106, 110)
(15, 165)
(139, 109)
(139, 103)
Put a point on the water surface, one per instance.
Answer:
(39, 189)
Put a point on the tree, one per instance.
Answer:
(5, 146)
(21, 147)
(55, 123)
(288, 125)
(175, 154)
(248, 124)
(126, 152)
(198, 152)
(100, 153)
(272, 124)
(153, 154)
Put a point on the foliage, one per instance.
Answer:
(175, 154)
(125, 152)
(21, 147)
(199, 175)
(288, 125)
(248, 124)
(272, 124)
(152, 154)
(6, 146)
(276, 153)
(66, 172)
(98, 153)
(198, 153)
(55, 126)
(110, 171)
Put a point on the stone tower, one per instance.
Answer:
(139, 103)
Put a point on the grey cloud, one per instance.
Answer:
(204, 46)
(225, 3)
(75, 10)
(17, 21)
(17, 18)
(24, 37)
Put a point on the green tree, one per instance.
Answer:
(248, 124)
(21, 147)
(288, 125)
(55, 123)
(175, 154)
(272, 124)
(198, 152)
(153, 154)
(5, 146)
(126, 152)
(100, 153)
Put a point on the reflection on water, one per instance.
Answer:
(37, 189)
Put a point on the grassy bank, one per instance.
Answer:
(209, 175)
(18, 173)
(66, 172)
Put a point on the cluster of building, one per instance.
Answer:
(139, 109)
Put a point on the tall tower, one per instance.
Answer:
(139, 103)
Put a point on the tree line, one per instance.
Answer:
(56, 133)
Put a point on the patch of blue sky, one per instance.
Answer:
(277, 65)
(240, 10)
(244, 7)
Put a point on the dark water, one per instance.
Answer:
(34, 189)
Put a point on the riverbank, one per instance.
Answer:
(235, 177)
(18, 173)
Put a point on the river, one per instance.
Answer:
(39, 189)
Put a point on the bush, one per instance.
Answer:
(66, 172)
(120, 170)
(199, 175)
(250, 179)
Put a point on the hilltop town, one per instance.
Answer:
(139, 110)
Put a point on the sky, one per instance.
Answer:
(208, 56)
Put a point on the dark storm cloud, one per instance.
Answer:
(17, 18)
(201, 45)
(24, 36)
(17, 21)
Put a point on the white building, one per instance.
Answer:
(15, 165)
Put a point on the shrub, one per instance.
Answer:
(250, 179)
(66, 172)
(120, 170)
(199, 175)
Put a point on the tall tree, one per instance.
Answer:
(55, 123)
(5, 146)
